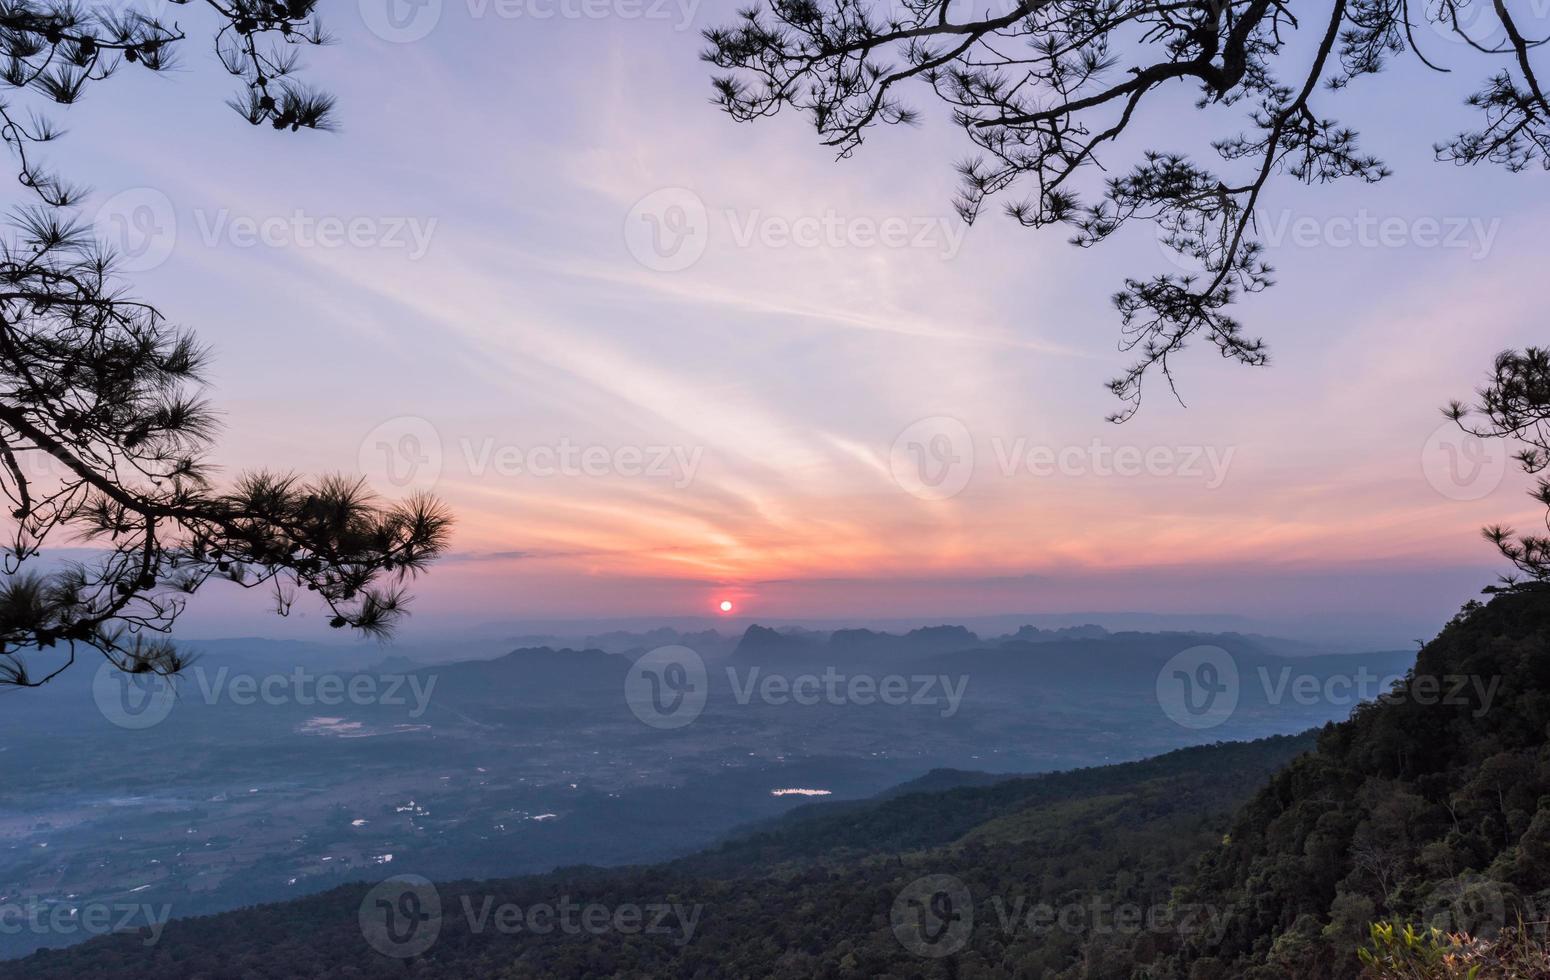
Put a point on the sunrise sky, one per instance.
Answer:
(785, 383)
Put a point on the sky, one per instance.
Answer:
(655, 359)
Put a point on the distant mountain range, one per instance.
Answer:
(760, 643)
(1261, 859)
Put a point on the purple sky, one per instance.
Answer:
(655, 359)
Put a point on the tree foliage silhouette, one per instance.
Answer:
(1043, 88)
(1515, 404)
(103, 430)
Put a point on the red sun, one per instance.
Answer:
(726, 605)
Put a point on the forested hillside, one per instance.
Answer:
(807, 896)
(1422, 807)
(1255, 860)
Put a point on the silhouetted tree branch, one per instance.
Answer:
(103, 430)
(1515, 404)
(1044, 87)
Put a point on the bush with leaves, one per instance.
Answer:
(1405, 952)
